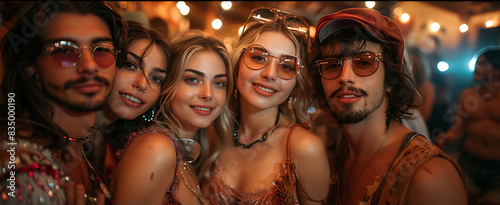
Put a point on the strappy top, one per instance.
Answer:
(170, 196)
(282, 192)
(391, 187)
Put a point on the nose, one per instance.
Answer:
(347, 76)
(270, 71)
(206, 92)
(86, 63)
(140, 82)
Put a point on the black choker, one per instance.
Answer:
(262, 139)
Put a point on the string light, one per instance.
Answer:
(216, 24)
(464, 28)
(405, 17)
(370, 4)
(226, 5)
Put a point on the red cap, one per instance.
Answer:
(380, 26)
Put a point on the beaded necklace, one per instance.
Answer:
(262, 139)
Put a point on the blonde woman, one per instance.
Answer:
(156, 166)
(270, 156)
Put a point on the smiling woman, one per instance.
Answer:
(157, 164)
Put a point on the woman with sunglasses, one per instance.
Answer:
(270, 157)
(157, 164)
(136, 88)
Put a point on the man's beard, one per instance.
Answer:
(349, 116)
(88, 105)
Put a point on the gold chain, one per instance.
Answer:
(186, 183)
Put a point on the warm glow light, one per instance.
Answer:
(370, 4)
(216, 24)
(489, 23)
(443, 66)
(180, 5)
(185, 10)
(398, 11)
(405, 17)
(226, 5)
(435, 26)
(240, 31)
(464, 28)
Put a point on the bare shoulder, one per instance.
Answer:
(152, 145)
(150, 151)
(145, 171)
(305, 142)
(437, 182)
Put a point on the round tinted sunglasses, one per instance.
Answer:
(256, 57)
(363, 64)
(67, 54)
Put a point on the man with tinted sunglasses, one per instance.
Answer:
(361, 76)
(59, 59)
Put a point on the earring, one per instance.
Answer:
(290, 102)
(151, 118)
(235, 93)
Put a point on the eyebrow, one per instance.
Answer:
(94, 41)
(203, 74)
(138, 58)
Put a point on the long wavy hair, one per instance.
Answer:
(184, 47)
(300, 94)
(120, 130)
(21, 46)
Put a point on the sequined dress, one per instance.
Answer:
(170, 196)
(282, 192)
(29, 174)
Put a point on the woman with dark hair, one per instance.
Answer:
(136, 88)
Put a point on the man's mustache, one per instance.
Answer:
(71, 83)
(357, 91)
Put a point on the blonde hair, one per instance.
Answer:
(184, 47)
(300, 96)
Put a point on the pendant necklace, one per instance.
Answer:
(262, 139)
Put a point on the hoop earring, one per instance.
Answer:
(151, 118)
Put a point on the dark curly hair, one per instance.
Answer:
(398, 78)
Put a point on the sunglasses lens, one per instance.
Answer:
(104, 56)
(289, 67)
(65, 56)
(296, 25)
(255, 57)
(365, 64)
(263, 15)
(330, 68)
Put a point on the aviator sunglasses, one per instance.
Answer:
(256, 57)
(363, 64)
(67, 54)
